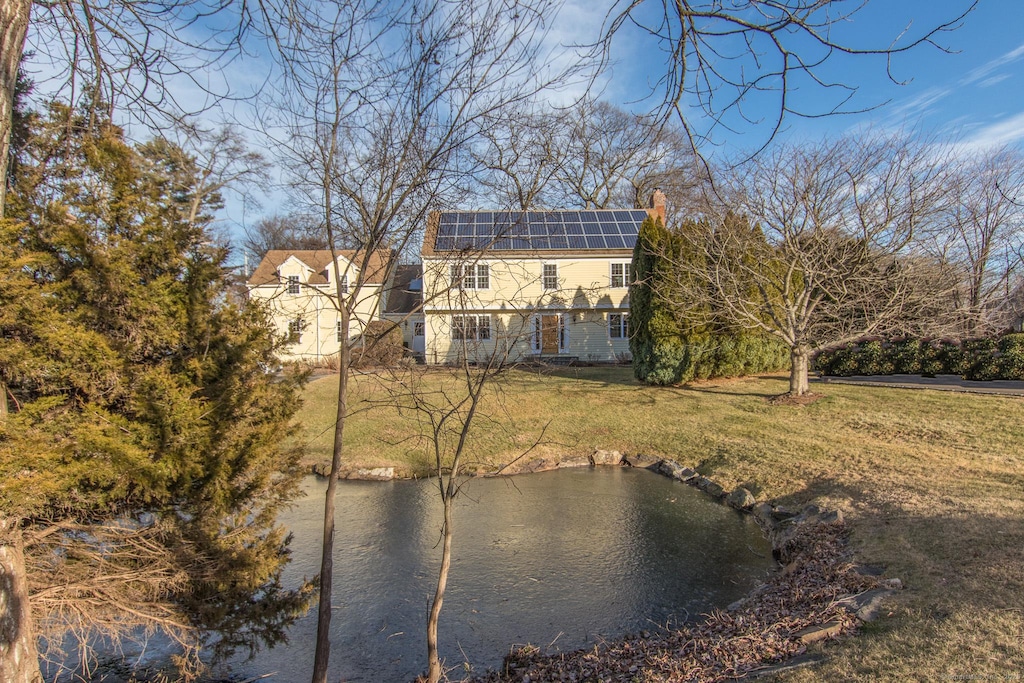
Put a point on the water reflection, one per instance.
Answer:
(558, 559)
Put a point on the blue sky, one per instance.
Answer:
(974, 94)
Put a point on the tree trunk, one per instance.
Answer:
(14, 15)
(3, 398)
(19, 660)
(323, 624)
(800, 358)
(433, 660)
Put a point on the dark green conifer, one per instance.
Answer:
(145, 439)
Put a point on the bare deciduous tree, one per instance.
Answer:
(291, 231)
(980, 235)
(379, 105)
(592, 155)
(816, 247)
(518, 158)
(727, 59)
(609, 157)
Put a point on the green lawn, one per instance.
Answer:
(932, 485)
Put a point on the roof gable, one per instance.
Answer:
(319, 261)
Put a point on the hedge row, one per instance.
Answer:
(977, 359)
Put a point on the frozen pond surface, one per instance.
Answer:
(559, 560)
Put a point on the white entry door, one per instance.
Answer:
(419, 339)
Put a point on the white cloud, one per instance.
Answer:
(1004, 132)
(992, 80)
(909, 111)
(984, 70)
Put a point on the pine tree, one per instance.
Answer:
(141, 466)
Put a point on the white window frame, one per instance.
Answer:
(618, 325)
(344, 283)
(471, 327)
(549, 281)
(470, 276)
(338, 332)
(294, 286)
(625, 277)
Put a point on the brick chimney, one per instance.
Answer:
(657, 209)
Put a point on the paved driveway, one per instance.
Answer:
(1003, 387)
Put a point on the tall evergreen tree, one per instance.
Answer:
(676, 338)
(655, 337)
(141, 466)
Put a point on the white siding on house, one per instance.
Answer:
(516, 296)
(313, 305)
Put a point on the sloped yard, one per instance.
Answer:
(931, 485)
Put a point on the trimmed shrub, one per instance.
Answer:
(976, 359)
(873, 359)
(984, 363)
(905, 356)
(1011, 359)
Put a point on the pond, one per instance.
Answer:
(559, 560)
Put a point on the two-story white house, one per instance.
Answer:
(547, 285)
(298, 289)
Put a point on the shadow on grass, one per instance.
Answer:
(952, 560)
(602, 375)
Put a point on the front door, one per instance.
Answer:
(549, 334)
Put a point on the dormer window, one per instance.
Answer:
(293, 284)
(344, 284)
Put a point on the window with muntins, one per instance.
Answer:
(295, 330)
(341, 335)
(471, 276)
(550, 277)
(471, 327)
(622, 274)
(618, 325)
(293, 284)
(344, 284)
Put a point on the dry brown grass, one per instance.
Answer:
(932, 485)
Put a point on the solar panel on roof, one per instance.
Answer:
(538, 230)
